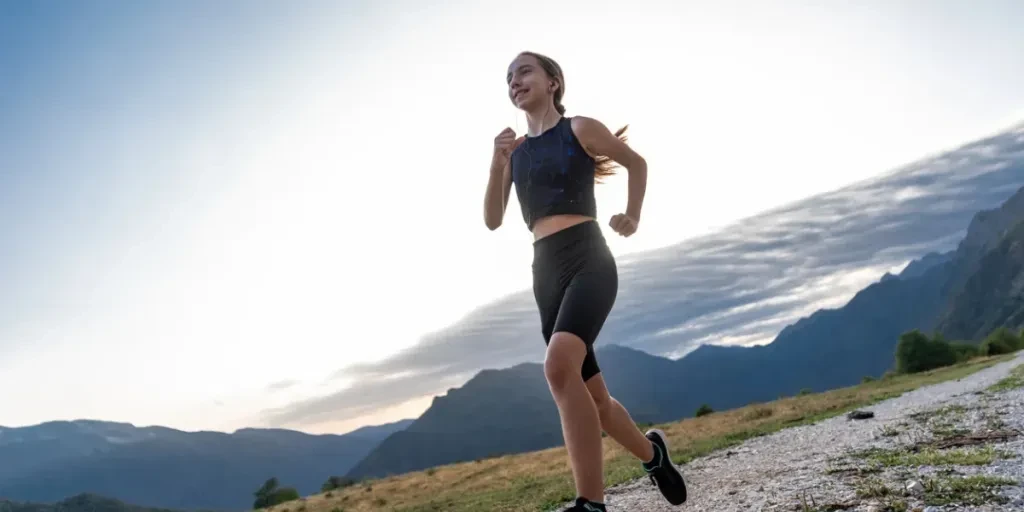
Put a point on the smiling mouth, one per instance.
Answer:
(519, 93)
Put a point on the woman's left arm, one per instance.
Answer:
(597, 139)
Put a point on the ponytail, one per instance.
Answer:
(604, 166)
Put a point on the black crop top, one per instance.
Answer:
(553, 175)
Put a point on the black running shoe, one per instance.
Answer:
(662, 472)
(583, 505)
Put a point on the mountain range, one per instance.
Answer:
(84, 502)
(163, 467)
(965, 280)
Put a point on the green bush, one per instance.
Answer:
(965, 351)
(915, 353)
(704, 410)
(336, 482)
(1001, 341)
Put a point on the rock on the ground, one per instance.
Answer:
(860, 415)
(915, 488)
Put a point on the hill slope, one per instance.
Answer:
(786, 469)
(542, 480)
(163, 467)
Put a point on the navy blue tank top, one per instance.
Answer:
(553, 175)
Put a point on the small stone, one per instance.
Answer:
(915, 488)
(860, 415)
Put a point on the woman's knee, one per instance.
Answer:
(564, 359)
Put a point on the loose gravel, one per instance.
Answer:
(861, 465)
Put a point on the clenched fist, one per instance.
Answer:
(623, 224)
(504, 144)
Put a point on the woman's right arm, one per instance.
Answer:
(499, 185)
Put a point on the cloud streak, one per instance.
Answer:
(740, 285)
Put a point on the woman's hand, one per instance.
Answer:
(504, 144)
(623, 224)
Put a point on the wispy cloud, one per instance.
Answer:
(281, 385)
(740, 285)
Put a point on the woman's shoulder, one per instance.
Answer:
(584, 126)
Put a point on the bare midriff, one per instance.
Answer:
(555, 223)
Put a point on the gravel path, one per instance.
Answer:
(780, 471)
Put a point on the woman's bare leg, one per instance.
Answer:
(581, 424)
(616, 421)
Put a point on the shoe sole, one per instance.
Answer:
(668, 450)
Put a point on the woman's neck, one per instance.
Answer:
(537, 122)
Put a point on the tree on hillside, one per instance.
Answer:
(270, 494)
(704, 410)
(336, 482)
(268, 487)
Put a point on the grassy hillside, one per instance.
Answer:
(542, 480)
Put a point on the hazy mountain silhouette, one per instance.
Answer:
(162, 467)
(84, 502)
(993, 296)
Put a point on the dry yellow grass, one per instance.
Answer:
(542, 480)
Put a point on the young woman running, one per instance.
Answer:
(575, 278)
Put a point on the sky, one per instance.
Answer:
(211, 210)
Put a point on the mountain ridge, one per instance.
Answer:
(207, 469)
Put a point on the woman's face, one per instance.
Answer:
(529, 87)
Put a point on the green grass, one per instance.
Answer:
(873, 488)
(971, 490)
(542, 480)
(1013, 381)
(948, 431)
(948, 412)
(933, 457)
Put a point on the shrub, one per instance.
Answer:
(704, 410)
(336, 482)
(1001, 341)
(915, 353)
(965, 351)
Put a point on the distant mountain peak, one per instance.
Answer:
(987, 227)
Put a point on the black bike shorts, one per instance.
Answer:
(575, 281)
